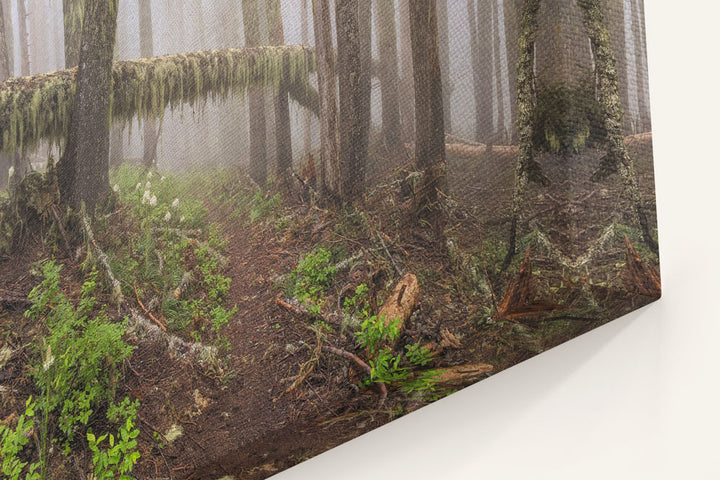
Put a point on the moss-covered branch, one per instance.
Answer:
(38, 107)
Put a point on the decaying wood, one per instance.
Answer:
(294, 309)
(363, 366)
(184, 284)
(148, 313)
(401, 302)
(520, 299)
(13, 299)
(459, 373)
(639, 277)
(117, 295)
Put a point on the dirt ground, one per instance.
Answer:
(239, 421)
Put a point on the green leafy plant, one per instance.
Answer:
(82, 351)
(313, 275)
(117, 459)
(12, 442)
(262, 206)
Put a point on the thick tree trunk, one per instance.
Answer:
(256, 100)
(430, 127)
(444, 48)
(73, 13)
(283, 132)
(330, 175)
(407, 85)
(354, 103)
(388, 72)
(5, 52)
(83, 169)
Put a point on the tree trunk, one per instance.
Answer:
(484, 86)
(256, 100)
(5, 52)
(512, 10)
(150, 132)
(307, 115)
(477, 66)
(430, 127)
(642, 68)
(388, 72)
(330, 179)
(83, 168)
(617, 159)
(497, 88)
(24, 38)
(444, 49)
(73, 21)
(407, 85)
(283, 132)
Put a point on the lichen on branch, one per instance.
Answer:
(38, 107)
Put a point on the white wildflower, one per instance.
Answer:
(153, 201)
(138, 186)
(182, 218)
(49, 360)
(162, 179)
(146, 197)
(149, 175)
(116, 188)
(11, 172)
(168, 216)
(176, 203)
(148, 186)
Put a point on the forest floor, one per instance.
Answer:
(273, 397)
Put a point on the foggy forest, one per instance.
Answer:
(237, 233)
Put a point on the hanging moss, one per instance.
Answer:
(38, 107)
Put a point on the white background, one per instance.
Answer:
(638, 398)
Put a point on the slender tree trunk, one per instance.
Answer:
(256, 100)
(642, 68)
(497, 77)
(73, 13)
(430, 126)
(150, 132)
(329, 179)
(407, 85)
(5, 52)
(476, 67)
(527, 168)
(307, 115)
(283, 132)
(444, 47)
(512, 10)
(233, 112)
(83, 168)
(24, 38)
(484, 88)
(388, 73)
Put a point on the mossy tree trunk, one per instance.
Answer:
(5, 52)
(354, 95)
(256, 100)
(330, 178)
(283, 131)
(388, 73)
(527, 168)
(617, 159)
(73, 12)
(83, 168)
(429, 113)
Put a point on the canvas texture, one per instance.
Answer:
(236, 234)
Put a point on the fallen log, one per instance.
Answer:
(457, 374)
(401, 302)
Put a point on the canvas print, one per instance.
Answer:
(235, 234)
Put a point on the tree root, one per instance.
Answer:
(364, 366)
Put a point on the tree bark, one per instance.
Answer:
(483, 87)
(444, 49)
(430, 126)
(307, 116)
(407, 85)
(73, 13)
(283, 132)
(24, 38)
(256, 100)
(330, 179)
(388, 72)
(147, 50)
(83, 168)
